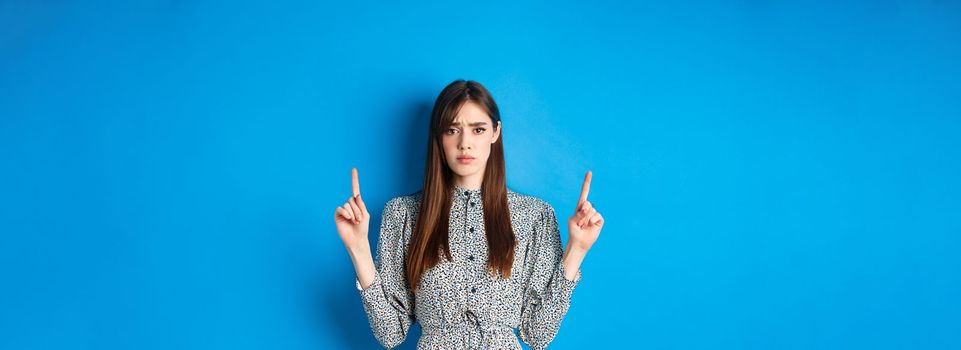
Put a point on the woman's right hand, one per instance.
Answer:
(352, 219)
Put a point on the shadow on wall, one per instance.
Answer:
(340, 304)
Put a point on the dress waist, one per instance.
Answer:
(469, 332)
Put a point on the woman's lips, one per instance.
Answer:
(465, 160)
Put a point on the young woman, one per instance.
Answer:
(468, 258)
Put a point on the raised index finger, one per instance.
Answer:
(355, 183)
(585, 188)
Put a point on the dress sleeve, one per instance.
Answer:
(388, 301)
(547, 295)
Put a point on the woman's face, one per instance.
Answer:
(467, 143)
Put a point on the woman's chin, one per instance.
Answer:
(463, 171)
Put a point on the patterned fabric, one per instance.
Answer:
(458, 303)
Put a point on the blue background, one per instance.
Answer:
(774, 175)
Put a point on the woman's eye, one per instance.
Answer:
(451, 131)
(479, 130)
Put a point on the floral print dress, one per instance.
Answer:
(458, 303)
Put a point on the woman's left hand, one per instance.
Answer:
(585, 225)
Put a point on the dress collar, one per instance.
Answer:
(461, 192)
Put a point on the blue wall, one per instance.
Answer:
(774, 176)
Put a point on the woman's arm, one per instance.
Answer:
(553, 278)
(547, 292)
(573, 257)
(383, 288)
(363, 264)
(388, 301)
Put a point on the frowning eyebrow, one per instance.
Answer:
(471, 124)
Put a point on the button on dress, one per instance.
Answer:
(459, 304)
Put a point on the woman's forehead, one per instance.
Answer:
(470, 114)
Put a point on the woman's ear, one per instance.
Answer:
(497, 132)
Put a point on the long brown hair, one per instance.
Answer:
(430, 233)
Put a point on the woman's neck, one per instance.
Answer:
(469, 182)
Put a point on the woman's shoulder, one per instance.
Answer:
(519, 200)
(404, 203)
